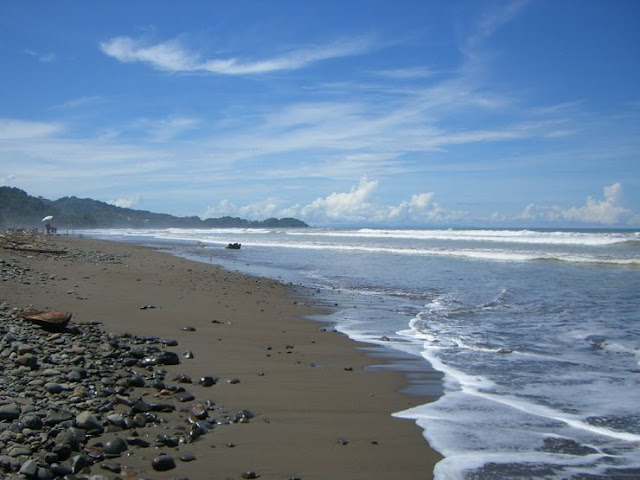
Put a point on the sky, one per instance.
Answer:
(374, 113)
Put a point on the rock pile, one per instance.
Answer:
(75, 402)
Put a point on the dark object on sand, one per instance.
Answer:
(48, 320)
(234, 246)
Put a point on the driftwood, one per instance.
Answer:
(49, 320)
(24, 241)
(28, 248)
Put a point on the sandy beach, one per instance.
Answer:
(318, 412)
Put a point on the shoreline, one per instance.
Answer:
(320, 412)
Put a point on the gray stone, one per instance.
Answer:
(163, 463)
(60, 470)
(55, 417)
(79, 462)
(138, 442)
(111, 467)
(208, 381)
(33, 422)
(116, 419)
(115, 447)
(63, 451)
(136, 381)
(74, 376)
(168, 358)
(89, 422)
(45, 474)
(185, 396)
(29, 468)
(187, 457)
(19, 451)
(74, 437)
(140, 420)
(10, 411)
(28, 360)
(53, 387)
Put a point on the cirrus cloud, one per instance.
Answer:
(173, 56)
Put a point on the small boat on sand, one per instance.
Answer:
(234, 246)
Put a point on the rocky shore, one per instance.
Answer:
(172, 369)
(75, 401)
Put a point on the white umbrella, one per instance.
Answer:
(47, 218)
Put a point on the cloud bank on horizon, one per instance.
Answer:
(423, 113)
(360, 206)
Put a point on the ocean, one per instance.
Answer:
(536, 332)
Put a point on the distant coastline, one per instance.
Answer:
(18, 209)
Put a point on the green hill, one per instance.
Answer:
(21, 210)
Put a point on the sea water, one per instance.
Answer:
(536, 332)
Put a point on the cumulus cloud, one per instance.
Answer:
(420, 208)
(252, 211)
(351, 206)
(173, 56)
(607, 211)
(358, 205)
(129, 202)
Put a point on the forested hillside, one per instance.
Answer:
(21, 210)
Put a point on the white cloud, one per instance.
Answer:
(42, 57)
(422, 209)
(7, 180)
(129, 202)
(253, 211)
(351, 206)
(493, 19)
(607, 211)
(358, 205)
(409, 73)
(164, 56)
(81, 102)
(173, 56)
(164, 129)
(11, 129)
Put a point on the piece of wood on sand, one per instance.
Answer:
(54, 320)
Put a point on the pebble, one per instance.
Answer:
(88, 421)
(29, 468)
(185, 396)
(208, 381)
(111, 467)
(9, 412)
(163, 463)
(115, 447)
(187, 457)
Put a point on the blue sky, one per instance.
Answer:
(407, 113)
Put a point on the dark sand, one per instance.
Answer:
(309, 390)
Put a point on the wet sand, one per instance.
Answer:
(319, 412)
